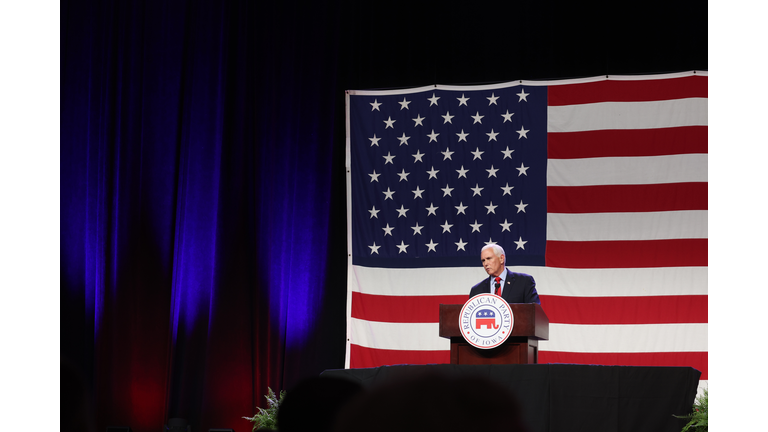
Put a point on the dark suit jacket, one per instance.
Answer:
(518, 288)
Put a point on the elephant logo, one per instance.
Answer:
(486, 318)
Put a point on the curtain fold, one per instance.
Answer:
(196, 190)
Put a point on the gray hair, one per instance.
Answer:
(497, 250)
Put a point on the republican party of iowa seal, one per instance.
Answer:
(486, 321)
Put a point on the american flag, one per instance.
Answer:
(596, 187)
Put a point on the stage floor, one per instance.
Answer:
(569, 397)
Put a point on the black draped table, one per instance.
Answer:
(569, 397)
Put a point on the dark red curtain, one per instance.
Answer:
(203, 218)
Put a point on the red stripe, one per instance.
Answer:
(559, 309)
(696, 360)
(628, 91)
(362, 357)
(627, 198)
(627, 142)
(626, 310)
(627, 254)
(401, 309)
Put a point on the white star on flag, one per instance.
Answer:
(520, 243)
(432, 209)
(388, 194)
(433, 172)
(403, 139)
(462, 172)
(462, 136)
(374, 140)
(523, 169)
(403, 248)
(401, 212)
(417, 156)
(492, 135)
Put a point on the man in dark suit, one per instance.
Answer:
(512, 287)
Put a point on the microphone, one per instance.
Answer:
(497, 285)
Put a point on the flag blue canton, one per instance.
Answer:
(436, 175)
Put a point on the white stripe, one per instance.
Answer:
(347, 130)
(627, 226)
(703, 384)
(626, 338)
(562, 337)
(350, 280)
(398, 336)
(390, 91)
(632, 282)
(627, 115)
(528, 83)
(417, 282)
(627, 170)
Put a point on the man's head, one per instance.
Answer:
(493, 259)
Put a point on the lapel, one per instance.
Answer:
(507, 292)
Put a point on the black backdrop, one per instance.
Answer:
(203, 232)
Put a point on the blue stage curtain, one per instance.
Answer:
(197, 161)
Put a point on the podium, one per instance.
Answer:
(522, 347)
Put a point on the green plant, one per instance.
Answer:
(697, 419)
(267, 418)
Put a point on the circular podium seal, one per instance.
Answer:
(486, 321)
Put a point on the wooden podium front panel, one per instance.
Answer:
(522, 346)
(513, 351)
(508, 353)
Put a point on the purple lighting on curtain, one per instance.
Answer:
(195, 209)
(293, 226)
